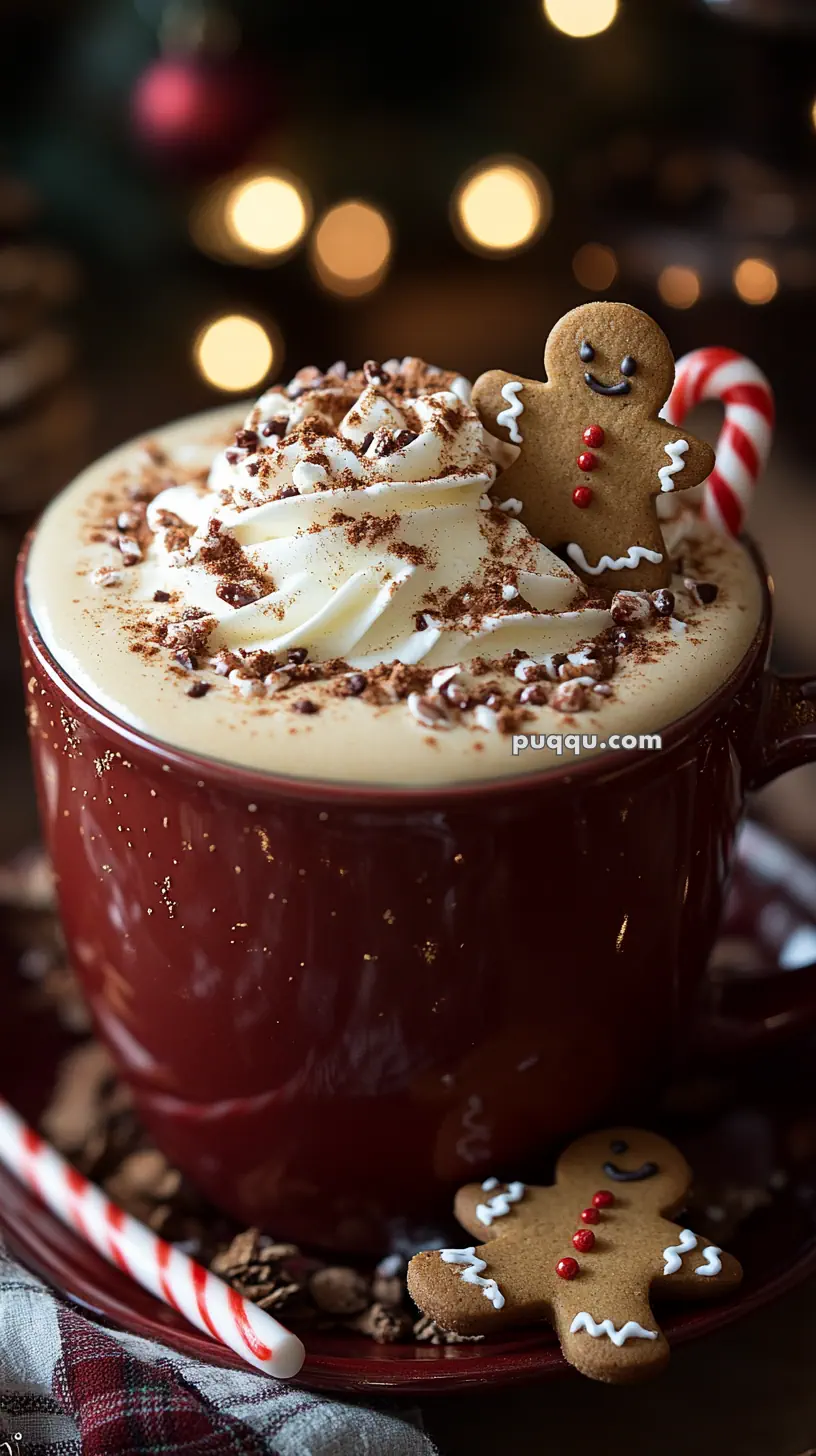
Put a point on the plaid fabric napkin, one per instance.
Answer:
(70, 1388)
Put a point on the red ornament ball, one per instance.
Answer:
(590, 1215)
(567, 1268)
(582, 496)
(197, 112)
(587, 461)
(593, 436)
(603, 1199)
(584, 1240)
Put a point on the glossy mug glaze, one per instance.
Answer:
(334, 1004)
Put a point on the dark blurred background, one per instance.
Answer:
(197, 196)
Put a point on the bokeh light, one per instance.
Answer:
(595, 267)
(234, 353)
(252, 217)
(813, 115)
(756, 280)
(268, 213)
(352, 247)
(581, 18)
(679, 286)
(501, 206)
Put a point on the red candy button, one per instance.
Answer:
(567, 1268)
(590, 1215)
(593, 435)
(604, 1199)
(587, 461)
(584, 1240)
(582, 496)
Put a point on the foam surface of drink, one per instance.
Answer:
(350, 561)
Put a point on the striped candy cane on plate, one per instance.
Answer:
(203, 1298)
(746, 434)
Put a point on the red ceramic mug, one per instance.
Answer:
(335, 1003)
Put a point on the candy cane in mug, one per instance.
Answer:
(745, 438)
(203, 1298)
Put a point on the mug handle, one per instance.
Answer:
(751, 1010)
(787, 731)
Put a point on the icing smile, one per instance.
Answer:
(595, 384)
(625, 1175)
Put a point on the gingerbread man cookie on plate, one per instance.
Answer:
(586, 1254)
(593, 453)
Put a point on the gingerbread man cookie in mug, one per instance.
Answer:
(586, 1254)
(593, 453)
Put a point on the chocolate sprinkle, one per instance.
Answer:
(355, 684)
(707, 592)
(663, 600)
(403, 438)
(235, 594)
(374, 373)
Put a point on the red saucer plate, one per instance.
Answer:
(746, 1127)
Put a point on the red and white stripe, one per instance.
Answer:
(747, 432)
(203, 1298)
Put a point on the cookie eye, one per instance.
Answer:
(618, 1146)
(586, 352)
(628, 365)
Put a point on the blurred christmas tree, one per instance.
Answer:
(44, 409)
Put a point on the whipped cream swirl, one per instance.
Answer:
(360, 504)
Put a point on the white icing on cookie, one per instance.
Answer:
(507, 418)
(472, 1273)
(489, 1183)
(673, 1254)
(630, 1331)
(675, 451)
(634, 555)
(500, 1205)
(713, 1263)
